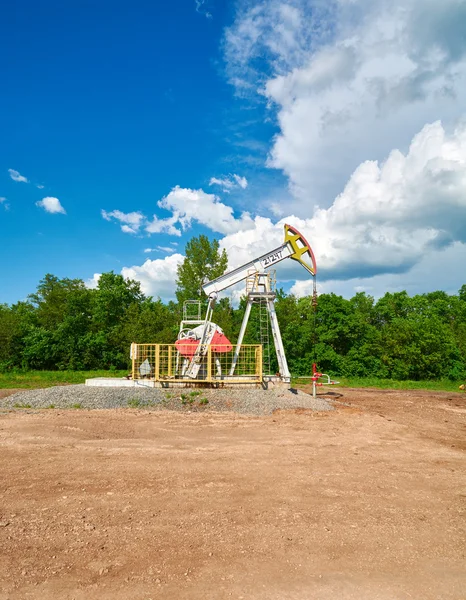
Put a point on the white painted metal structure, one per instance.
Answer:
(295, 247)
(261, 290)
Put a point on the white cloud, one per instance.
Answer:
(131, 222)
(376, 182)
(4, 203)
(93, 282)
(40, 186)
(166, 249)
(157, 277)
(186, 206)
(196, 205)
(386, 219)
(437, 269)
(163, 225)
(229, 182)
(16, 176)
(241, 181)
(349, 80)
(201, 8)
(51, 205)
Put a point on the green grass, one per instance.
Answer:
(42, 379)
(134, 403)
(389, 384)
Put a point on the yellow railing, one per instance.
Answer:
(167, 363)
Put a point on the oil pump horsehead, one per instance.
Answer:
(195, 343)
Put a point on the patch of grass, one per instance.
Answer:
(43, 379)
(203, 401)
(19, 405)
(134, 402)
(51, 406)
(194, 394)
(77, 405)
(386, 384)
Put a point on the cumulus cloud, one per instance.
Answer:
(167, 225)
(157, 277)
(51, 205)
(391, 220)
(16, 176)
(437, 269)
(129, 222)
(93, 282)
(196, 205)
(187, 206)
(348, 80)
(387, 217)
(376, 181)
(229, 182)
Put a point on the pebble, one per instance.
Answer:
(248, 401)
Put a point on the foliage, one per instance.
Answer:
(65, 328)
(203, 262)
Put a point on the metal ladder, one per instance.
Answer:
(264, 333)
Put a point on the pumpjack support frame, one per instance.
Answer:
(296, 247)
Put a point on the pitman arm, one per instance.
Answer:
(295, 247)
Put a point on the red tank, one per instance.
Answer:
(219, 343)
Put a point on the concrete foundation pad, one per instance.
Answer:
(141, 383)
(110, 382)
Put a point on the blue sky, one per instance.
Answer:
(135, 107)
(108, 106)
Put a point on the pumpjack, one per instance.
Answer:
(196, 335)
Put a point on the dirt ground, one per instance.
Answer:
(365, 502)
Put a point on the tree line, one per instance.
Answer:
(65, 325)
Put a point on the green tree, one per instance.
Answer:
(112, 298)
(52, 298)
(203, 262)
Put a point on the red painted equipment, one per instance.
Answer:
(315, 379)
(220, 343)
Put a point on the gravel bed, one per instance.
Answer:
(246, 401)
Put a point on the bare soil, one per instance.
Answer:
(365, 502)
